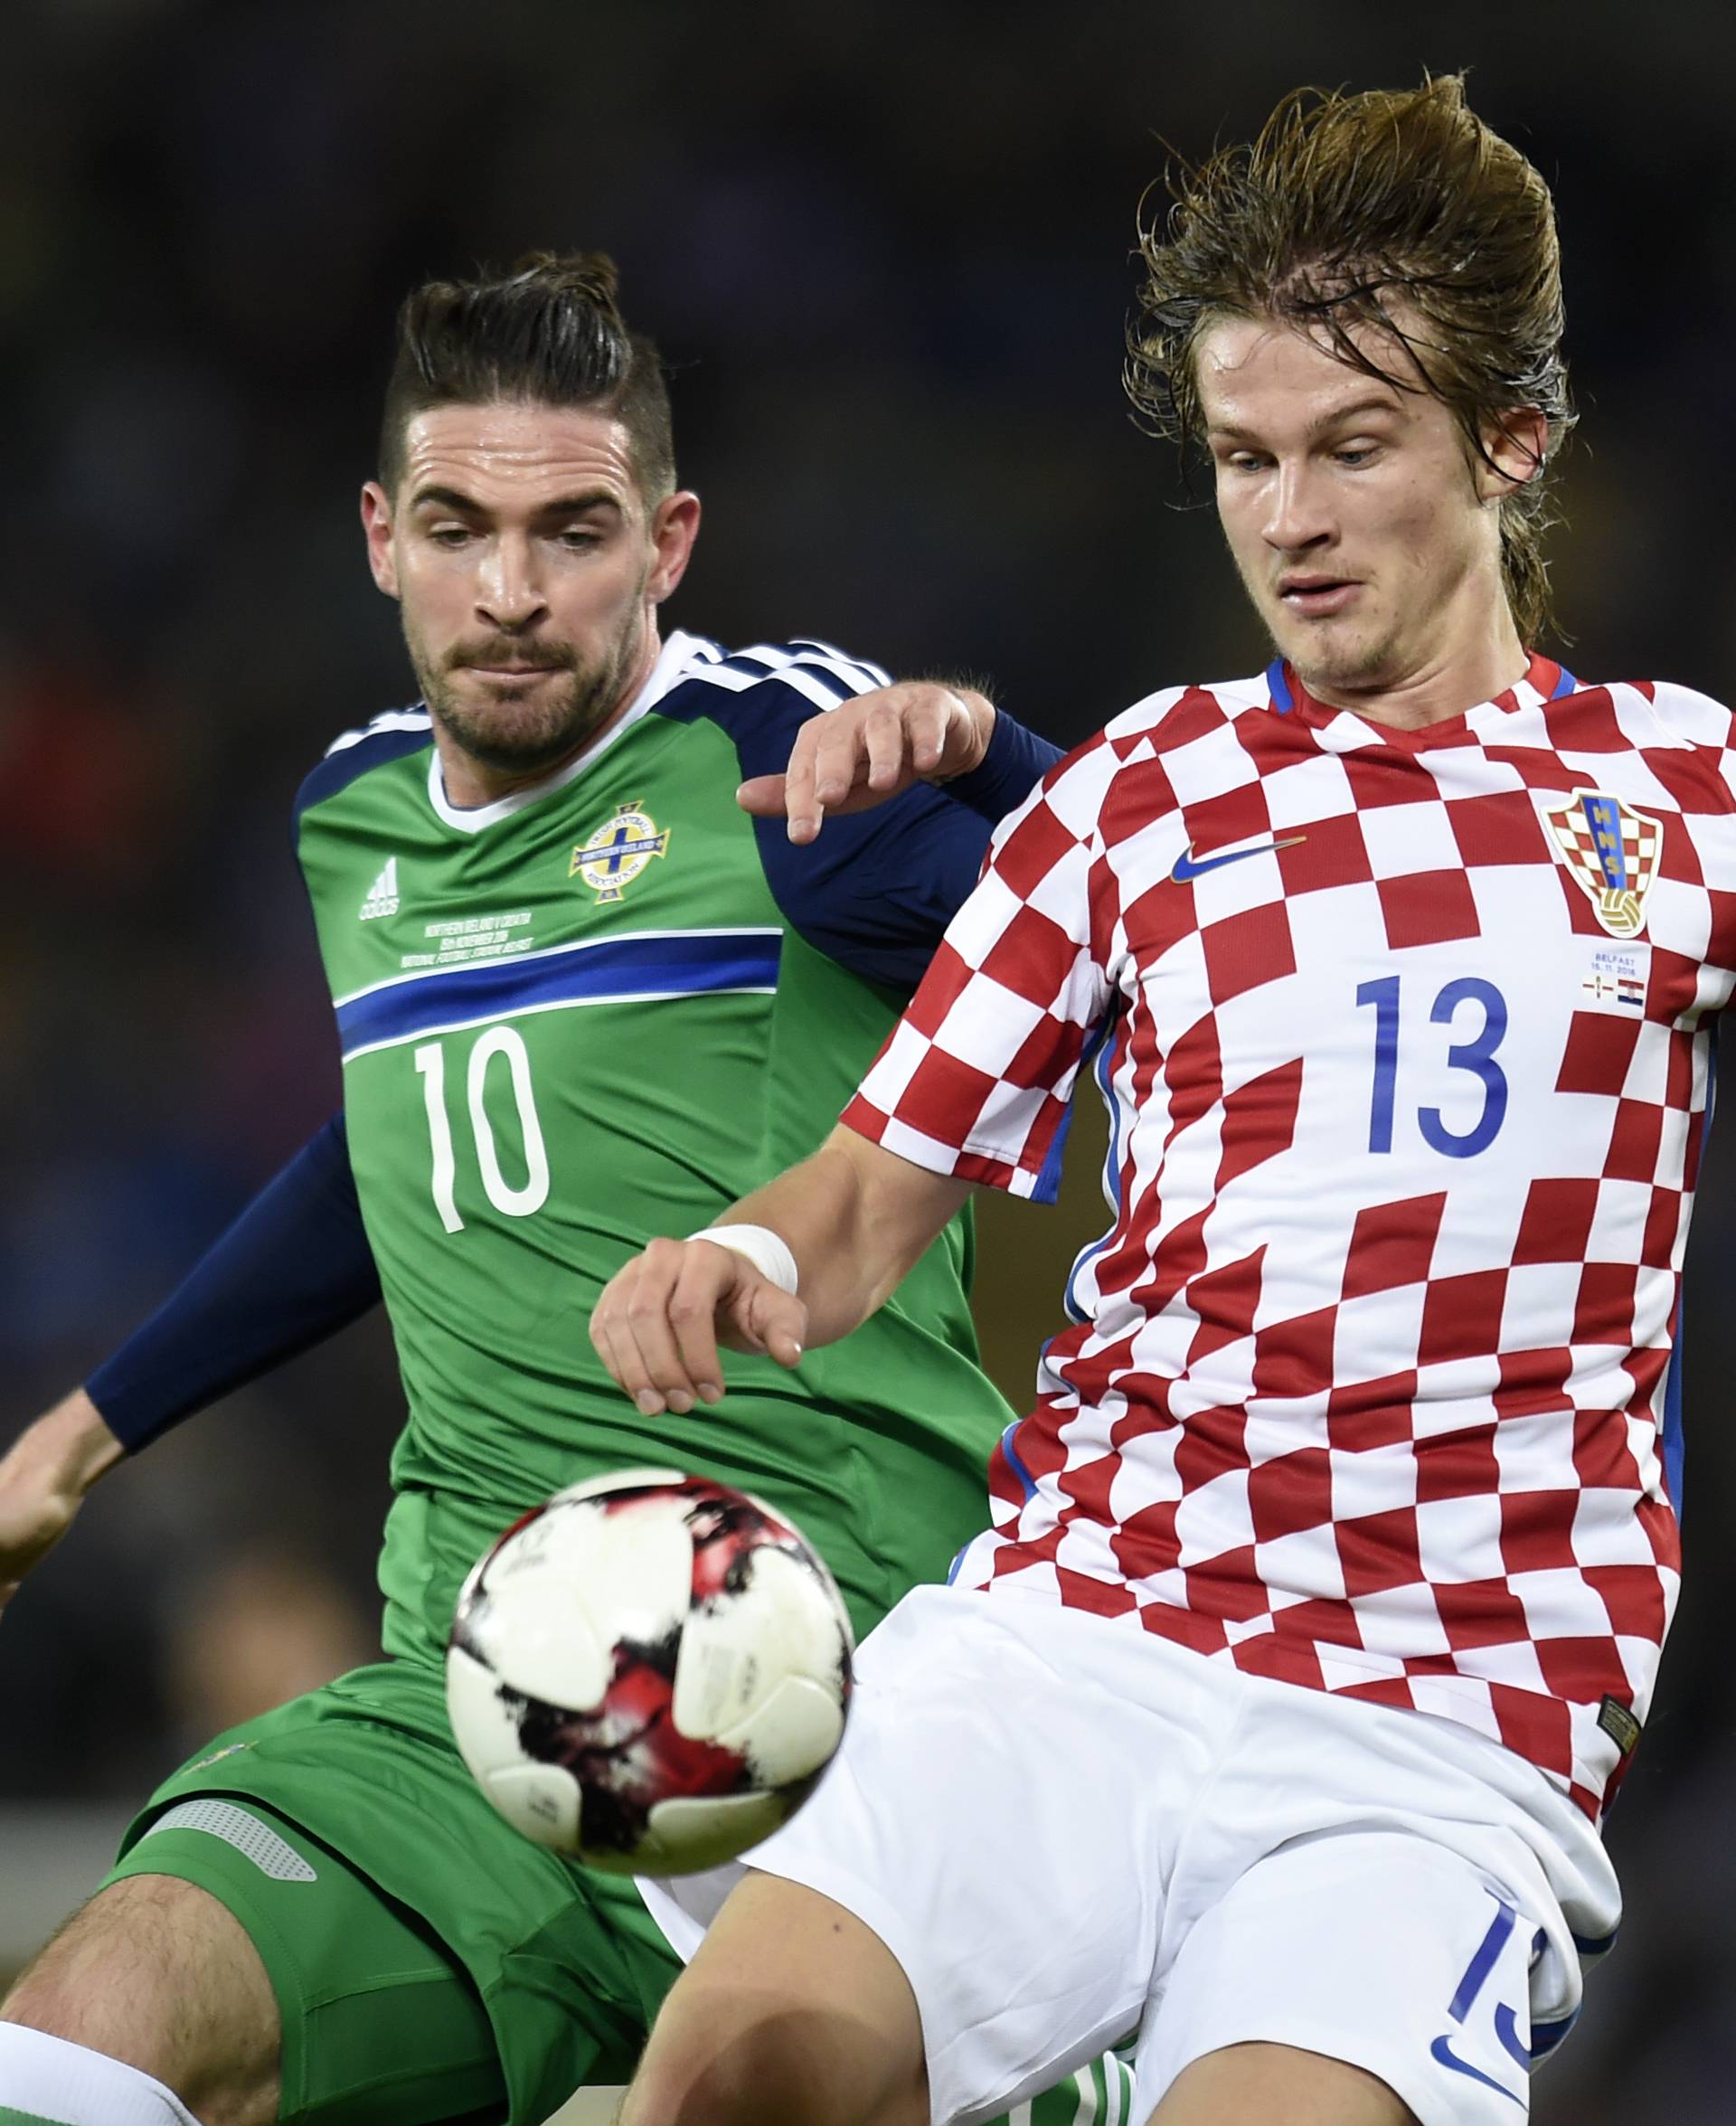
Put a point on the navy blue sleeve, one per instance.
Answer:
(878, 888)
(1017, 760)
(292, 1270)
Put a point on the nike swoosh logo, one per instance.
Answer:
(1189, 865)
(1442, 2050)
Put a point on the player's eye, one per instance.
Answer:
(580, 539)
(1356, 454)
(453, 536)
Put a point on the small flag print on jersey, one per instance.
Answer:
(1610, 852)
(1616, 980)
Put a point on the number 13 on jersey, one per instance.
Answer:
(1471, 995)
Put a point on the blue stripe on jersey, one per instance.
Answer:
(1011, 1454)
(1566, 684)
(1676, 1444)
(1048, 1182)
(369, 748)
(685, 963)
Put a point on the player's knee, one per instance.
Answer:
(676, 2086)
(727, 2081)
(722, 2057)
(156, 1973)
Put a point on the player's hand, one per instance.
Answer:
(660, 1320)
(42, 1483)
(869, 749)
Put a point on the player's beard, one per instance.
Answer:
(525, 733)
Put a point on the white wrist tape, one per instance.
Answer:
(769, 1252)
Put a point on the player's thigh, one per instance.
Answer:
(372, 2017)
(792, 2010)
(159, 1974)
(360, 1782)
(1379, 1953)
(1278, 2085)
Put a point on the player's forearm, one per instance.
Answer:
(856, 1219)
(293, 1268)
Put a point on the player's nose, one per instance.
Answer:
(508, 590)
(1296, 517)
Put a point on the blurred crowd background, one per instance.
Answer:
(886, 251)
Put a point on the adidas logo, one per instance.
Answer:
(382, 895)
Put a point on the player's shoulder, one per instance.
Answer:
(353, 754)
(1681, 713)
(1084, 791)
(1170, 716)
(768, 682)
(1174, 715)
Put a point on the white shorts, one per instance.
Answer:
(1065, 1828)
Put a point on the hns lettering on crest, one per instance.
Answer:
(613, 858)
(1610, 851)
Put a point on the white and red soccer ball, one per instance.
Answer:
(649, 1673)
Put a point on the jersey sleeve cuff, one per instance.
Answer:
(983, 1168)
(1015, 762)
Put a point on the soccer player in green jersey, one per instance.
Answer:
(583, 999)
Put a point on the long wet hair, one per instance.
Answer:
(1399, 210)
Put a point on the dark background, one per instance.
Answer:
(886, 251)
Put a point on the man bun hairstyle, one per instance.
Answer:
(1343, 207)
(547, 333)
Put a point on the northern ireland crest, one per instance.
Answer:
(616, 854)
(1610, 851)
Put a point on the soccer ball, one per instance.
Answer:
(649, 1673)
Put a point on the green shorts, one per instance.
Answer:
(430, 1963)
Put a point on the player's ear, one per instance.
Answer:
(674, 525)
(376, 528)
(1515, 446)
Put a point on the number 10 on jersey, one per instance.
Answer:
(1475, 1056)
(519, 1201)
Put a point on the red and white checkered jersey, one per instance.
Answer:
(1404, 1037)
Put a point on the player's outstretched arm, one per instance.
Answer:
(853, 1219)
(292, 1269)
(44, 1481)
(869, 749)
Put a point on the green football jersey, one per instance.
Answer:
(597, 1011)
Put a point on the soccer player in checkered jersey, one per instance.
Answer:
(1276, 1712)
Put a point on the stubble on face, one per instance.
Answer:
(517, 726)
